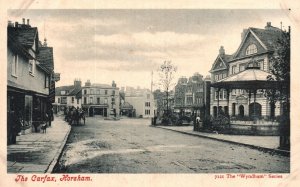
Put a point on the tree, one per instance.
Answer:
(166, 78)
(281, 70)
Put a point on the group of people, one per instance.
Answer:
(16, 122)
(74, 115)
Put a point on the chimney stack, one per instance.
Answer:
(45, 42)
(23, 21)
(222, 51)
(10, 24)
(28, 22)
(114, 84)
(16, 24)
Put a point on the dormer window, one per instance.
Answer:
(251, 49)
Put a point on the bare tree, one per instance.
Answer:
(166, 77)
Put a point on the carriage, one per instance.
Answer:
(74, 117)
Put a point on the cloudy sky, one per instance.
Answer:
(126, 45)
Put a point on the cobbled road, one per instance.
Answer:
(132, 146)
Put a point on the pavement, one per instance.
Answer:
(38, 152)
(264, 143)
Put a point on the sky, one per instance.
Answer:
(103, 45)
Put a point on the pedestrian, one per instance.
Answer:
(15, 126)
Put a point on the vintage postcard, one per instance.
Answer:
(161, 94)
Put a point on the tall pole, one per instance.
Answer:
(151, 81)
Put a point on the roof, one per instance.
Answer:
(72, 91)
(26, 36)
(225, 59)
(126, 105)
(268, 36)
(45, 57)
(251, 78)
(102, 86)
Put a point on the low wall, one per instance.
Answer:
(263, 130)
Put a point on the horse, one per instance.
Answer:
(82, 116)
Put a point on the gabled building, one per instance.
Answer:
(68, 96)
(190, 95)
(28, 78)
(256, 48)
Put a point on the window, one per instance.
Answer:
(147, 104)
(216, 77)
(113, 92)
(251, 49)
(58, 100)
(63, 92)
(105, 92)
(31, 66)
(224, 94)
(92, 91)
(91, 100)
(84, 100)
(112, 101)
(77, 101)
(14, 66)
(216, 95)
(98, 92)
(242, 67)
(147, 112)
(84, 92)
(64, 100)
(46, 81)
(72, 99)
(105, 101)
(233, 92)
(98, 100)
(224, 75)
(233, 71)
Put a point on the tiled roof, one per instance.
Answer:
(63, 88)
(227, 58)
(268, 36)
(45, 57)
(24, 35)
(72, 91)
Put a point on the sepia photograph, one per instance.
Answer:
(147, 91)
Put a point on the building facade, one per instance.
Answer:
(256, 49)
(190, 95)
(101, 99)
(68, 96)
(28, 78)
(142, 101)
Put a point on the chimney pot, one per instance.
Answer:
(23, 21)
(16, 24)
(268, 24)
(27, 21)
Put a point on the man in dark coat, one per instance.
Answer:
(14, 127)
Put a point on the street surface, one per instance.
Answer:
(132, 146)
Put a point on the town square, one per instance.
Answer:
(148, 91)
